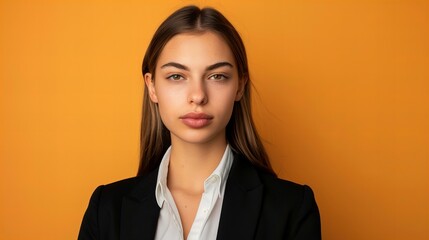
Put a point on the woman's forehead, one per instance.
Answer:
(196, 49)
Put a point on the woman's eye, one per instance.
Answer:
(175, 77)
(218, 77)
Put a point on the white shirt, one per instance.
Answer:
(206, 221)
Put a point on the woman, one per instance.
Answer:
(204, 173)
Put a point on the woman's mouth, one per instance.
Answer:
(196, 120)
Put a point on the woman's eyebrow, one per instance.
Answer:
(176, 65)
(208, 68)
(218, 65)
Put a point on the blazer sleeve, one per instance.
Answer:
(308, 218)
(89, 229)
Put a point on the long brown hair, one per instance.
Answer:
(241, 133)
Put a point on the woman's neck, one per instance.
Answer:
(191, 164)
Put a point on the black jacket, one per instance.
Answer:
(256, 205)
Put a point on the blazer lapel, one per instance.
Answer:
(140, 211)
(242, 202)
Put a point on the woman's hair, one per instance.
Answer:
(241, 133)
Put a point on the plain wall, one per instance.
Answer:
(342, 104)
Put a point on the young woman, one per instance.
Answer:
(204, 173)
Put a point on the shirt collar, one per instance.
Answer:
(161, 183)
(220, 173)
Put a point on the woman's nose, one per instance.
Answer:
(197, 94)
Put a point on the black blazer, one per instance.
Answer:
(255, 206)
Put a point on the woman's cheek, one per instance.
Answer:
(168, 94)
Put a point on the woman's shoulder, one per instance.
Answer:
(287, 198)
(276, 191)
(271, 182)
(120, 187)
(105, 206)
(291, 204)
(132, 187)
(285, 190)
(111, 194)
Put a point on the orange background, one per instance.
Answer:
(342, 103)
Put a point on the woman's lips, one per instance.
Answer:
(196, 120)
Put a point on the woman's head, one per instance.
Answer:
(192, 19)
(239, 132)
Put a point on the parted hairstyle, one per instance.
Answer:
(241, 133)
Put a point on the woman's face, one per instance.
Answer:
(195, 87)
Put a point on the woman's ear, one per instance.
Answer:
(151, 87)
(241, 87)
